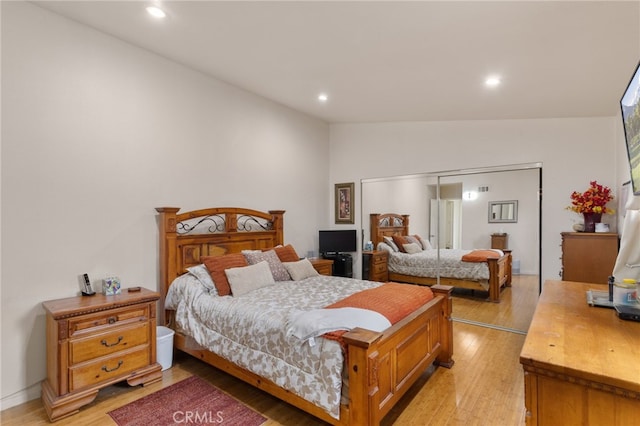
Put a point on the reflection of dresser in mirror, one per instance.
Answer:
(500, 241)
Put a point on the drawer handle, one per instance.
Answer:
(108, 345)
(106, 370)
(112, 320)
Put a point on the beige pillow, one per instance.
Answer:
(244, 279)
(301, 269)
(412, 248)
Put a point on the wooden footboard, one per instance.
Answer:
(381, 366)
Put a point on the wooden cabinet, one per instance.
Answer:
(374, 265)
(588, 257)
(95, 341)
(323, 266)
(580, 363)
(500, 241)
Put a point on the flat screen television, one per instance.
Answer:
(337, 241)
(630, 105)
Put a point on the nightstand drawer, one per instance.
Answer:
(109, 368)
(115, 317)
(379, 260)
(379, 268)
(95, 346)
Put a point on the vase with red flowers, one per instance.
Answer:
(592, 204)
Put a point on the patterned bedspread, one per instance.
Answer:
(250, 331)
(425, 264)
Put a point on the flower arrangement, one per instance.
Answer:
(593, 200)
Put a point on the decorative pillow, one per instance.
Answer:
(412, 248)
(413, 239)
(384, 246)
(400, 241)
(287, 253)
(278, 270)
(216, 266)
(202, 275)
(301, 269)
(390, 243)
(244, 279)
(426, 245)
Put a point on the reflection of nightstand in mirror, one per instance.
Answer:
(374, 265)
(500, 241)
(323, 266)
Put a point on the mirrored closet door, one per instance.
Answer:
(473, 209)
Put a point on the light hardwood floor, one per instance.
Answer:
(484, 387)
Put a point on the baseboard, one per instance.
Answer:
(20, 397)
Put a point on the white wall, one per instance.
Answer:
(572, 152)
(96, 133)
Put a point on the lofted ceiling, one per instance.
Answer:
(395, 61)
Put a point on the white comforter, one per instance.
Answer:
(251, 331)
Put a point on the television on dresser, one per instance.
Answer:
(337, 241)
(630, 106)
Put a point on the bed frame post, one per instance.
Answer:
(278, 220)
(445, 358)
(167, 223)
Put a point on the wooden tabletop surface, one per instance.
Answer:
(570, 337)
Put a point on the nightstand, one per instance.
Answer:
(500, 241)
(95, 341)
(374, 265)
(323, 266)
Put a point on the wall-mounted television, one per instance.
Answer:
(337, 241)
(630, 105)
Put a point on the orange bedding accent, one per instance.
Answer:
(480, 256)
(393, 300)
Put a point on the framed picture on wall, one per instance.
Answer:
(344, 202)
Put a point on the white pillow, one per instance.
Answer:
(244, 279)
(204, 277)
(412, 248)
(384, 246)
(300, 270)
(426, 245)
(390, 243)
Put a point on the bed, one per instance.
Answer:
(496, 273)
(381, 366)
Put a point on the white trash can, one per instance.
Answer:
(164, 347)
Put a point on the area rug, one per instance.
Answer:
(192, 401)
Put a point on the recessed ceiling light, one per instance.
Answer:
(492, 81)
(156, 12)
(323, 97)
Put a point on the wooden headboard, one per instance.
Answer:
(387, 225)
(186, 237)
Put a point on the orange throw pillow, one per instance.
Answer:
(287, 253)
(400, 242)
(216, 266)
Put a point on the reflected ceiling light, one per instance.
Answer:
(323, 97)
(470, 195)
(156, 12)
(492, 81)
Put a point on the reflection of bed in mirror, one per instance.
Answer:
(423, 267)
(381, 366)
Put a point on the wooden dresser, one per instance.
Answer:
(374, 265)
(581, 363)
(323, 266)
(588, 257)
(95, 341)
